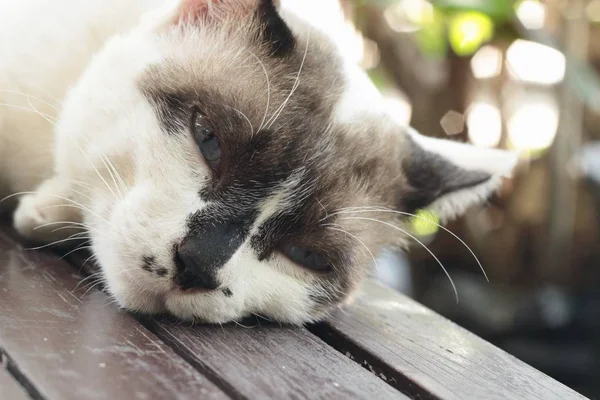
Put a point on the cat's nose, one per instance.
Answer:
(193, 270)
(204, 251)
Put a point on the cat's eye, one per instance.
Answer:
(207, 141)
(306, 258)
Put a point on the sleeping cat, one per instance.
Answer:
(220, 156)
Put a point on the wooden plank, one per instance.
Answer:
(10, 388)
(70, 347)
(274, 362)
(428, 356)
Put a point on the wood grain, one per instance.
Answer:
(10, 389)
(274, 362)
(71, 346)
(426, 355)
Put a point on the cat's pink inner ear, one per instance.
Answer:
(194, 10)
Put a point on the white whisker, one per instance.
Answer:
(357, 239)
(416, 240)
(45, 116)
(386, 210)
(69, 239)
(32, 97)
(278, 112)
(268, 91)
(76, 204)
(247, 120)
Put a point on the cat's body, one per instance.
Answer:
(45, 47)
(206, 146)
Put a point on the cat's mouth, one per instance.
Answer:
(178, 290)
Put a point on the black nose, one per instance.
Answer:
(192, 271)
(201, 255)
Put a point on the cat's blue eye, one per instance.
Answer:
(306, 258)
(207, 141)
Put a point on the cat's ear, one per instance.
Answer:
(271, 27)
(448, 176)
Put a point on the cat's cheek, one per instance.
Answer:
(122, 282)
(135, 300)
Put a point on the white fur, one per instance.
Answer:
(360, 96)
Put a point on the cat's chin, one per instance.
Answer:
(194, 306)
(202, 307)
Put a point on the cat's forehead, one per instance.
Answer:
(231, 68)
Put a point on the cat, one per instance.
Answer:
(220, 156)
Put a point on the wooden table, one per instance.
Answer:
(58, 342)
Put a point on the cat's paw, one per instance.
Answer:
(47, 215)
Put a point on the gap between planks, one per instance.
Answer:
(13, 370)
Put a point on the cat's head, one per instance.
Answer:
(253, 165)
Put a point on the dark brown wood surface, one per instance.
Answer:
(61, 344)
(10, 389)
(71, 347)
(426, 355)
(269, 361)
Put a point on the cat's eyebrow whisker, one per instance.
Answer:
(279, 110)
(247, 120)
(416, 240)
(386, 210)
(54, 106)
(340, 229)
(324, 209)
(262, 123)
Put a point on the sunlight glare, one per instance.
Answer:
(485, 124)
(535, 63)
(533, 126)
(487, 62)
(531, 13)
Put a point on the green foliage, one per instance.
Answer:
(497, 10)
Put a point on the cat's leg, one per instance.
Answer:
(50, 214)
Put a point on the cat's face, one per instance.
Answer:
(243, 147)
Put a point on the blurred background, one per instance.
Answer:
(519, 75)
